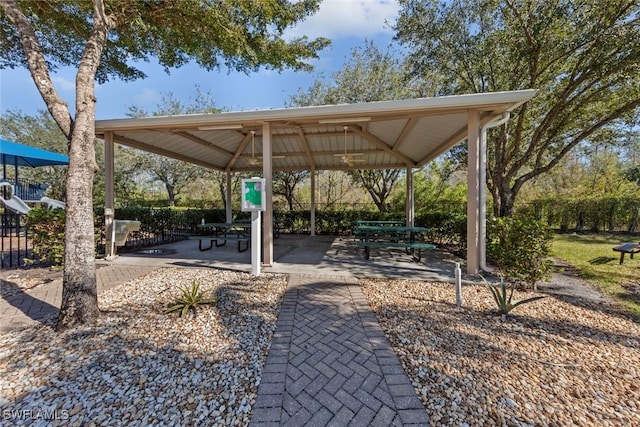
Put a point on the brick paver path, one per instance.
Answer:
(330, 364)
(42, 303)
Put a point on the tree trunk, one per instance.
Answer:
(171, 194)
(79, 293)
(503, 198)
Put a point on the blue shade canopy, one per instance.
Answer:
(12, 153)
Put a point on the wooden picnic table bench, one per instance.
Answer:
(222, 232)
(627, 248)
(378, 236)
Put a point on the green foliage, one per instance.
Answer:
(504, 301)
(592, 213)
(190, 299)
(46, 227)
(238, 35)
(520, 248)
(447, 228)
(581, 56)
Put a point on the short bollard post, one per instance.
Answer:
(458, 275)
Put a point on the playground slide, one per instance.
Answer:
(15, 204)
(53, 203)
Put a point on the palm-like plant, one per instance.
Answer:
(505, 305)
(190, 299)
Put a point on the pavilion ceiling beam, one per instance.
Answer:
(161, 151)
(204, 143)
(405, 133)
(455, 138)
(382, 145)
(305, 145)
(238, 152)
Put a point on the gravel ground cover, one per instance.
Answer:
(139, 366)
(551, 363)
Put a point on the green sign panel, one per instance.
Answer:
(253, 194)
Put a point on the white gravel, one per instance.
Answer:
(139, 366)
(550, 363)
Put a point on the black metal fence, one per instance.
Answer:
(15, 242)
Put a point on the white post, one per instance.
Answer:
(110, 247)
(255, 243)
(473, 189)
(458, 275)
(410, 203)
(229, 210)
(267, 172)
(313, 202)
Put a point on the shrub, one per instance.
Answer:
(190, 299)
(447, 228)
(520, 248)
(504, 303)
(47, 230)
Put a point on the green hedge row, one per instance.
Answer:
(447, 228)
(585, 214)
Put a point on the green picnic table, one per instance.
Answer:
(217, 232)
(378, 236)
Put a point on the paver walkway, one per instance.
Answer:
(331, 364)
(42, 303)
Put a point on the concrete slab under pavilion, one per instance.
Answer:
(403, 134)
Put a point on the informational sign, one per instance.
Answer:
(253, 194)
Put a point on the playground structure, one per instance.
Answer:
(17, 196)
(13, 203)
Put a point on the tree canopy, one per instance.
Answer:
(582, 56)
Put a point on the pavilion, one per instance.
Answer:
(403, 134)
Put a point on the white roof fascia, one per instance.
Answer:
(315, 113)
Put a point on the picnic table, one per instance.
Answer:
(627, 248)
(219, 233)
(378, 236)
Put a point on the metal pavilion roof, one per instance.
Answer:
(383, 135)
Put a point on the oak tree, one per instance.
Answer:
(102, 38)
(583, 57)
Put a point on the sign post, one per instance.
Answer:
(253, 200)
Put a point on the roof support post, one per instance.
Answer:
(267, 170)
(313, 202)
(228, 196)
(473, 193)
(109, 211)
(410, 203)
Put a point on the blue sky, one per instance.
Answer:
(346, 22)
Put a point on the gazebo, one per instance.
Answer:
(404, 134)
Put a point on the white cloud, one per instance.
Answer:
(63, 83)
(345, 18)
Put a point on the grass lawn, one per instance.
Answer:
(595, 261)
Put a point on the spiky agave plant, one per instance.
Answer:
(505, 305)
(190, 299)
